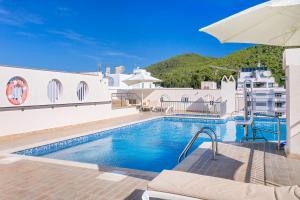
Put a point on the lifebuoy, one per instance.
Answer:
(11, 86)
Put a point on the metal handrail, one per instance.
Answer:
(191, 142)
(278, 127)
(216, 137)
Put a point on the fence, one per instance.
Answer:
(217, 108)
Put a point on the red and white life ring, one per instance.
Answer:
(9, 91)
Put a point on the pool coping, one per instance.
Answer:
(187, 163)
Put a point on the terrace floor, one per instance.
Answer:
(259, 163)
(23, 178)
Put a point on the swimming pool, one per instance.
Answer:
(151, 145)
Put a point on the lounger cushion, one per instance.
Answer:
(287, 192)
(212, 188)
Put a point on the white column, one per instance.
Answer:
(291, 65)
(228, 93)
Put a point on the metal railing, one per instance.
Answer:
(56, 105)
(214, 142)
(217, 108)
(278, 132)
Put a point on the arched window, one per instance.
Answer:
(54, 90)
(82, 91)
(16, 90)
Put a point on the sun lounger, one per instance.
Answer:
(146, 106)
(175, 185)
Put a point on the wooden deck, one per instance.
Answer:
(31, 179)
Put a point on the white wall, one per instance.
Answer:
(38, 80)
(32, 119)
(15, 122)
(291, 65)
(228, 90)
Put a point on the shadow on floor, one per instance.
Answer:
(223, 167)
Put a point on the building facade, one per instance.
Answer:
(115, 80)
(265, 96)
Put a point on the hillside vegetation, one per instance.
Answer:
(188, 70)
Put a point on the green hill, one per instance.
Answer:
(188, 70)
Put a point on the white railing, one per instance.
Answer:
(217, 108)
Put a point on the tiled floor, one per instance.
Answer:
(34, 180)
(258, 163)
(29, 179)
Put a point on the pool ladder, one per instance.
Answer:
(214, 142)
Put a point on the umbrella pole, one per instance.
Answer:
(142, 99)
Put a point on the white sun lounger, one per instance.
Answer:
(175, 185)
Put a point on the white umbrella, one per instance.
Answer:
(141, 78)
(275, 22)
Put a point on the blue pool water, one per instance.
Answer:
(152, 145)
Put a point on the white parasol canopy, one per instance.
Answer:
(141, 78)
(275, 22)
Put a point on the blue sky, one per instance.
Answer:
(74, 35)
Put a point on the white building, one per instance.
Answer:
(115, 81)
(266, 97)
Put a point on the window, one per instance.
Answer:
(248, 103)
(259, 85)
(54, 90)
(82, 90)
(261, 104)
(260, 94)
(279, 104)
(278, 95)
(278, 114)
(16, 90)
(185, 99)
(270, 85)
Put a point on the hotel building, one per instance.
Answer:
(265, 96)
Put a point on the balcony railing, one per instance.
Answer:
(216, 108)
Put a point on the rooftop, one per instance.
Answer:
(31, 178)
